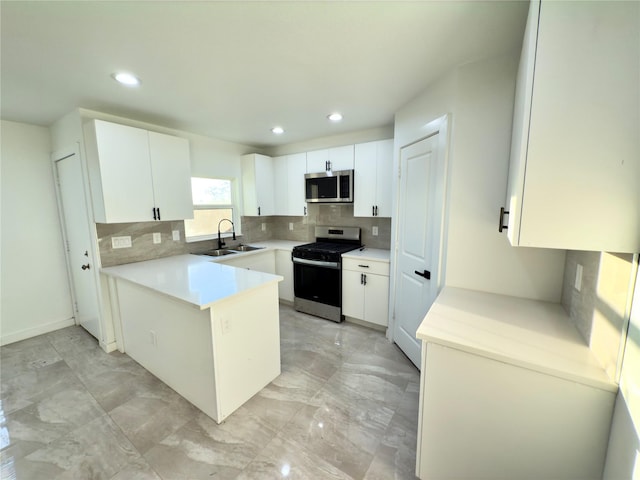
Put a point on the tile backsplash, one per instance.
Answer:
(275, 227)
(600, 310)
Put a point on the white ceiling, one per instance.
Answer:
(232, 70)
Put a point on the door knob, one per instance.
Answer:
(86, 267)
(426, 274)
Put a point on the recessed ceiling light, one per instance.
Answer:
(278, 130)
(335, 117)
(125, 78)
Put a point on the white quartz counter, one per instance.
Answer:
(194, 279)
(278, 244)
(528, 333)
(373, 254)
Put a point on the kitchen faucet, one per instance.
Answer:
(233, 230)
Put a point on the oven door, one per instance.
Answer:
(317, 281)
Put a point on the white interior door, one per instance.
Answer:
(419, 239)
(78, 236)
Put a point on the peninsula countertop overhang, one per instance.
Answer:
(192, 279)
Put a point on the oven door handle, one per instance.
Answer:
(317, 263)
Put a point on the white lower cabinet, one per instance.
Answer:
(509, 390)
(260, 262)
(284, 268)
(365, 290)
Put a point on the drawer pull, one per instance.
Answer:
(501, 225)
(364, 266)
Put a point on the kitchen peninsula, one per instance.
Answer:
(208, 330)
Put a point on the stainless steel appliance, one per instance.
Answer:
(317, 271)
(329, 187)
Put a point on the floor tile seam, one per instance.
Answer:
(258, 453)
(309, 451)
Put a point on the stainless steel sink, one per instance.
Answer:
(245, 248)
(219, 252)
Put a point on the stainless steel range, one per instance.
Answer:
(317, 271)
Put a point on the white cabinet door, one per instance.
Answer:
(257, 185)
(341, 158)
(575, 159)
(119, 172)
(289, 194)
(352, 294)
(281, 185)
(284, 267)
(296, 168)
(384, 178)
(171, 172)
(337, 158)
(317, 161)
(373, 166)
(376, 299)
(364, 179)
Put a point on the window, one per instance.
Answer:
(212, 202)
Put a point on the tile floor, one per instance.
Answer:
(345, 407)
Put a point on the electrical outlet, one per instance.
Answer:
(578, 283)
(374, 231)
(290, 225)
(264, 227)
(176, 235)
(157, 238)
(121, 242)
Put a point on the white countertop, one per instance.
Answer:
(193, 279)
(374, 254)
(528, 333)
(278, 244)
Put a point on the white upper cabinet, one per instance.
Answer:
(372, 179)
(258, 185)
(289, 185)
(136, 175)
(574, 180)
(338, 158)
(171, 176)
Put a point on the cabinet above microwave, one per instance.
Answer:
(329, 187)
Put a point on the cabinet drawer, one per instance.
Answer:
(365, 266)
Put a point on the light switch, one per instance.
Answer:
(290, 225)
(176, 235)
(157, 238)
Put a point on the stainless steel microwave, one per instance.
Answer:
(329, 187)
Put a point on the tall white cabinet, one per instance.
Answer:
(575, 153)
(373, 177)
(289, 184)
(257, 185)
(137, 175)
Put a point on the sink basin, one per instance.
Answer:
(245, 248)
(219, 252)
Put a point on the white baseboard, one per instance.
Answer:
(6, 339)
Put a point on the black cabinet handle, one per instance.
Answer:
(364, 266)
(258, 211)
(376, 210)
(501, 225)
(154, 213)
(305, 210)
(158, 213)
(361, 278)
(364, 278)
(86, 267)
(426, 274)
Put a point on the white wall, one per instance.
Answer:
(35, 289)
(479, 98)
(623, 454)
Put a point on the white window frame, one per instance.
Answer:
(234, 213)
